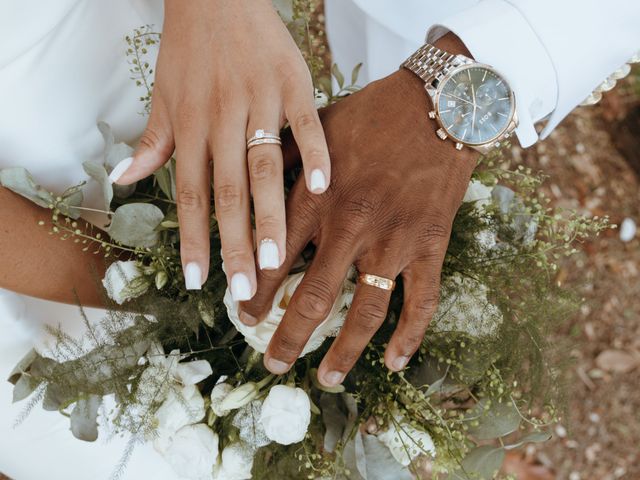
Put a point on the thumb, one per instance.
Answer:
(154, 148)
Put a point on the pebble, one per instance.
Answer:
(628, 230)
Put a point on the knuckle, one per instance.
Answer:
(285, 347)
(268, 223)
(262, 166)
(151, 139)
(426, 308)
(314, 156)
(431, 232)
(346, 358)
(228, 197)
(190, 199)
(305, 121)
(412, 339)
(236, 256)
(314, 304)
(369, 315)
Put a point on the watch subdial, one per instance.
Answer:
(486, 95)
(463, 91)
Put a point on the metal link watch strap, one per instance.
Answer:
(429, 62)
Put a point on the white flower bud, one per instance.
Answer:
(239, 397)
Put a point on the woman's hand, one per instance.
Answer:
(389, 211)
(225, 70)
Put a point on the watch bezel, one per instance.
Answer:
(436, 104)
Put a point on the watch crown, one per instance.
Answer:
(432, 114)
(441, 134)
(459, 146)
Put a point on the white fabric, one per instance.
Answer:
(554, 53)
(62, 69)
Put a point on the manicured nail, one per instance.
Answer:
(318, 181)
(240, 287)
(400, 362)
(269, 256)
(333, 378)
(119, 169)
(193, 276)
(277, 366)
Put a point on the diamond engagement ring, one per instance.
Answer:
(262, 137)
(376, 281)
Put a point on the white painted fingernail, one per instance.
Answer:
(119, 169)
(268, 256)
(193, 276)
(318, 181)
(240, 287)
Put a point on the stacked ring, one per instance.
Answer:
(262, 137)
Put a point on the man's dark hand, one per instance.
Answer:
(389, 209)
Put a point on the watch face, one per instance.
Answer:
(475, 105)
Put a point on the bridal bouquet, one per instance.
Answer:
(177, 368)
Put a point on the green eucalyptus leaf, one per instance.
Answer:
(20, 181)
(335, 71)
(163, 177)
(114, 153)
(333, 418)
(535, 437)
(498, 420)
(355, 73)
(72, 197)
(380, 462)
(325, 86)
(84, 418)
(285, 9)
(24, 387)
(135, 224)
(24, 365)
(100, 175)
(481, 463)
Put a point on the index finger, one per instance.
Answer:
(310, 305)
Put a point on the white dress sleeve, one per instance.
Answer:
(554, 53)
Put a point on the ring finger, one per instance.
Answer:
(367, 313)
(267, 187)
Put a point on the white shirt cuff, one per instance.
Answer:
(497, 34)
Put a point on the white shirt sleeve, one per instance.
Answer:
(553, 53)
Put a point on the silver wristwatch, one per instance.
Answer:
(472, 103)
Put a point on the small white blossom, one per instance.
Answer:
(193, 452)
(236, 462)
(465, 307)
(286, 413)
(478, 193)
(321, 99)
(259, 336)
(405, 442)
(120, 281)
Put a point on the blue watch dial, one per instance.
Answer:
(475, 105)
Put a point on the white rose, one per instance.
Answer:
(181, 408)
(286, 414)
(406, 442)
(258, 336)
(478, 193)
(236, 464)
(193, 452)
(120, 281)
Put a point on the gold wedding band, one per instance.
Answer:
(262, 137)
(376, 281)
